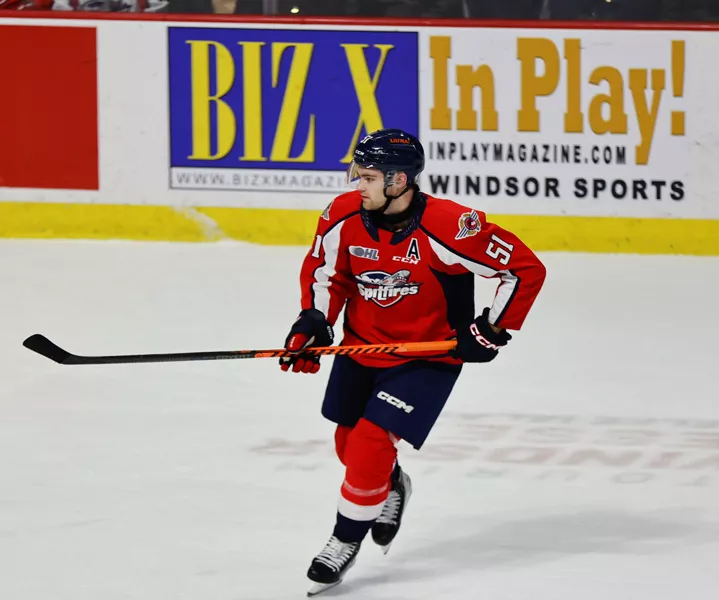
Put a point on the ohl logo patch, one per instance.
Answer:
(385, 289)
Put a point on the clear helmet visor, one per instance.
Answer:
(353, 176)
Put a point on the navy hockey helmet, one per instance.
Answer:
(390, 151)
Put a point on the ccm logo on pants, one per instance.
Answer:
(395, 402)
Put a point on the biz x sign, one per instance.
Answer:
(246, 102)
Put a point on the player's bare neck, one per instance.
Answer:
(401, 204)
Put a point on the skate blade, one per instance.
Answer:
(385, 549)
(318, 588)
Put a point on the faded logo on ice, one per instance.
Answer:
(545, 448)
(385, 289)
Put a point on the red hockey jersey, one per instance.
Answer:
(416, 284)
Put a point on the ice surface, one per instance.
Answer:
(583, 463)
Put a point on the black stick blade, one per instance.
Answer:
(43, 346)
(40, 344)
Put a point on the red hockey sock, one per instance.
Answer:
(341, 434)
(369, 456)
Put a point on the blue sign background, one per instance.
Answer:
(329, 93)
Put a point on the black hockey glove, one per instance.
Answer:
(477, 342)
(310, 329)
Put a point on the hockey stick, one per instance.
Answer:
(40, 344)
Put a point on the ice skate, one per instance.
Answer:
(388, 523)
(329, 567)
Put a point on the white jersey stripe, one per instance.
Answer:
(450, 258)
(505, 293)
(506, 289)
(323, 273)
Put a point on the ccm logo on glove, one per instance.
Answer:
(474, 330)
(478, 341)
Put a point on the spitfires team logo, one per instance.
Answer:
(469, 225)
(384, 289)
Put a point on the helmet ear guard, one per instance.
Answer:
(390, 180)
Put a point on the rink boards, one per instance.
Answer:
(164, 128)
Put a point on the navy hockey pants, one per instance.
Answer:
(405, 400)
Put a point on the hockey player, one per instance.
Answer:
(402, 264)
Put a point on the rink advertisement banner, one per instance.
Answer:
(281, 110)
(576, 139)
(558, 122)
